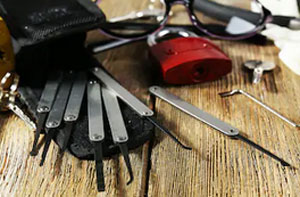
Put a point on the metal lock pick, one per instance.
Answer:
(208, 119)
(56, 114)
(45, 106)
(132, 101)
(117, 126)
(237, 91)
(74, 106)
(96, 128)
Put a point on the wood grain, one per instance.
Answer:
(217, 165)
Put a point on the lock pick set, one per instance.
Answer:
(52, 80)
(60, 105)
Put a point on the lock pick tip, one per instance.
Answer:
(230, 93)
(166, 131)
(258, 147)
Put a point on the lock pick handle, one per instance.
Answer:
(208, 119)
(131, 100)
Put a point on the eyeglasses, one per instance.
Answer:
(138, 20)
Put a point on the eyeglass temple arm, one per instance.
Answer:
(223, 12)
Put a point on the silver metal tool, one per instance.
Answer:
(237, 91)
(117, 126)
(56, 114)
(258, 68)
(8, 98)
(132, 101)
(20, 113)
(74, 106)
(208, 119)
(96, 128)
(122, 93)
(45, 105)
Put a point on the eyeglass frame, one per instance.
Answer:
(188, 4)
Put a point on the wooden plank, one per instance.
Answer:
(218, 165)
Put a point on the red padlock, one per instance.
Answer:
(189, 60)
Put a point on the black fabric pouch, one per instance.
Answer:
(35, 21)
(51, 34)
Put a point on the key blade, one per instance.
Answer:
(258, 147)
(22, 115)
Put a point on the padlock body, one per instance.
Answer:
(190, 60)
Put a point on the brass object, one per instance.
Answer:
(8, 95)
(7, 58)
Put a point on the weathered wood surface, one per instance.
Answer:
(217, 165)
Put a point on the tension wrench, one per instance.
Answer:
(208, 119)
(238, 91)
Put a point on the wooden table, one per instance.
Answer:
(217, 165)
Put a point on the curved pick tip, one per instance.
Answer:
(131, 179)
(229, 93)
(185, 147)
(33, 153)
(42, 162)
(179, 142)
(286, 164)
(100, 187)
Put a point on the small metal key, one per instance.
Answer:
(259, 67)
(8, 99)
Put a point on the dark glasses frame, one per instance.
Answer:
(266, 17)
